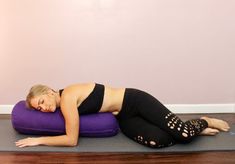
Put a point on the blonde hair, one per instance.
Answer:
(36, 90)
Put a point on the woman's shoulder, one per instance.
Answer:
(78, 89)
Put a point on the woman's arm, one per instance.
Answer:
(70, 113)
(62, 140)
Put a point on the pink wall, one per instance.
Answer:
(180, 51)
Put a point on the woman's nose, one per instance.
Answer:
(43, 107)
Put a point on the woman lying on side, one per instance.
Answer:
(141, 116)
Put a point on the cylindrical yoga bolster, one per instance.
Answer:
(28, 121)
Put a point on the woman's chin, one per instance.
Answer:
(53, 110)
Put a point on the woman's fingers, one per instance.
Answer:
(26, 142)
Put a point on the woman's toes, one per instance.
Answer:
(214, 131)
(225, 129)
(209, 132)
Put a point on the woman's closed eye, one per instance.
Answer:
(41, 101)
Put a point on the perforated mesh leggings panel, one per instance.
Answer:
(147, 121)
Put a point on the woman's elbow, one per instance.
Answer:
(73, 143)
(70, 141)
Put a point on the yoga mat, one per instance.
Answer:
(224, 141)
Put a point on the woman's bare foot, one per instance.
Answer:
(209, 132)
(217, 123)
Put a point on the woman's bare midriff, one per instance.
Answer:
(113, 98)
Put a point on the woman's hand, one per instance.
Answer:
(27, 142)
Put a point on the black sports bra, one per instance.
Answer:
(93, 102)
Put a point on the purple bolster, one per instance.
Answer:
(29, 121)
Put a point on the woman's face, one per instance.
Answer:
(45, 102)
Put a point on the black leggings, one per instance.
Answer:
(145, 120)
